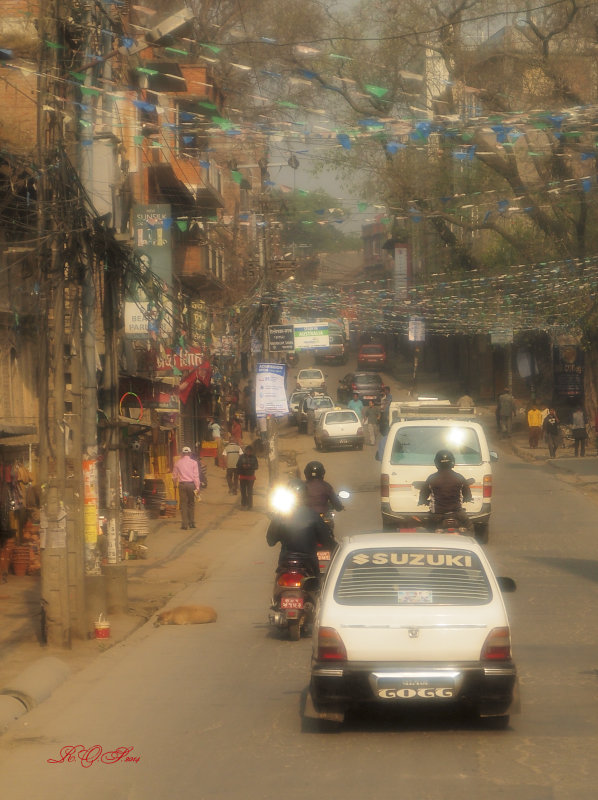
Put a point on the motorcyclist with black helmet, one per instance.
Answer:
(300, 529)
(447, 489)
(320, 495)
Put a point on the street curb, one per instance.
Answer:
(31, 688)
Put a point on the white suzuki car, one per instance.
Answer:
(411, 619)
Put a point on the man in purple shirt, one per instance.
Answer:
(185, 474)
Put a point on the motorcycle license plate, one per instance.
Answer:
(323, 555)
(291, 602)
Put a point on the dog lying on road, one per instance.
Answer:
(186, 615)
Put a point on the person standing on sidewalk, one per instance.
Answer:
(505, 411)
(578, 430)
(185, 475)
(371, 417)
(552, 432)
(534, 422)
(246, 467)
(232, 451)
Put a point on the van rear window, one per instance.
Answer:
(415, 446)
(412, 577)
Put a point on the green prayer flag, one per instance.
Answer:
(377, 91)
(236, 176)
(181, 224)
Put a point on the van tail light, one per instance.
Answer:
(384, 485)
(487, 487)
(330, 646)
(290, 579)
(497, 646)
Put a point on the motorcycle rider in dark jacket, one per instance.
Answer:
(300, 531)
(447, 487)
(320, 495)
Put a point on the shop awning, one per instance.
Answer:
(6, 431)
(165, 187)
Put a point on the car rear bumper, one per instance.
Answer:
(415, 518)
(487, 688)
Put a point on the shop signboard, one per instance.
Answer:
(152, 242)
(281, 338)
(270, 394)
(145, 320)
(311, 335)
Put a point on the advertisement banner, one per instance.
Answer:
(270, 393)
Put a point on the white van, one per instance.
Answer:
(408, 458)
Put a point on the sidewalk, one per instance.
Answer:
(175, 560)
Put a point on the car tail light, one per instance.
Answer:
(354, 387)
(290, 579)
(330, 646)
(384, 485)
(487, 488)
(360, 431)
(497, 646)
(325, 435)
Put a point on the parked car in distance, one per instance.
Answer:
(412, 621)
(340, 428)
(322, 403)
(294, 400)
(335, 353)
(371, 356)
(367, 385)
(311, 379)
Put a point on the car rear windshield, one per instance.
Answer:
(339, 417)
(368, 379)
(323, 402)
(412, 576)
(372, 349)
(310, 374)
(414, 446)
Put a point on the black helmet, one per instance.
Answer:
(444, 459)
(314, 470)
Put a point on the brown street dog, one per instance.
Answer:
(186, 615)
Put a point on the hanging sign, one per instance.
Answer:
(417, 329)
(281, 338)
(310, 335)
(501, 336)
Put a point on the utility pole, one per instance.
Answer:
(272, 422)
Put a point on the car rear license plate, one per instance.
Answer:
(324, 555)
(343, 441)
(291, 602)
(414, 687)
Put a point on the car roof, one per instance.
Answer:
(428, 540)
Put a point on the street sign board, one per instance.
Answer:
(281, 338)
(310, 335)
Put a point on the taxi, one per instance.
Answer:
(411, 620)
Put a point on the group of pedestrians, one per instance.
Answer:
(372, 418)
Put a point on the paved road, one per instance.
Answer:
(213, 711)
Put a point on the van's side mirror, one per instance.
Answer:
(493, 455)
(506, 584)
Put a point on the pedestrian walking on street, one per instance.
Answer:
(371, 416)
(236, 431)
(246, 467)
(249, 407)
(578, 430)
(185, 475)
(356, 405)
(232, 451)
(505, 411)
(534, 422)
(552, 432)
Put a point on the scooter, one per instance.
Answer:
(294, 596)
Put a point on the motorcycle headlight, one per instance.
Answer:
(282, 500)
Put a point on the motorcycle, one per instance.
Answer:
(447, 522)
(294, 596)
(293, 358)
